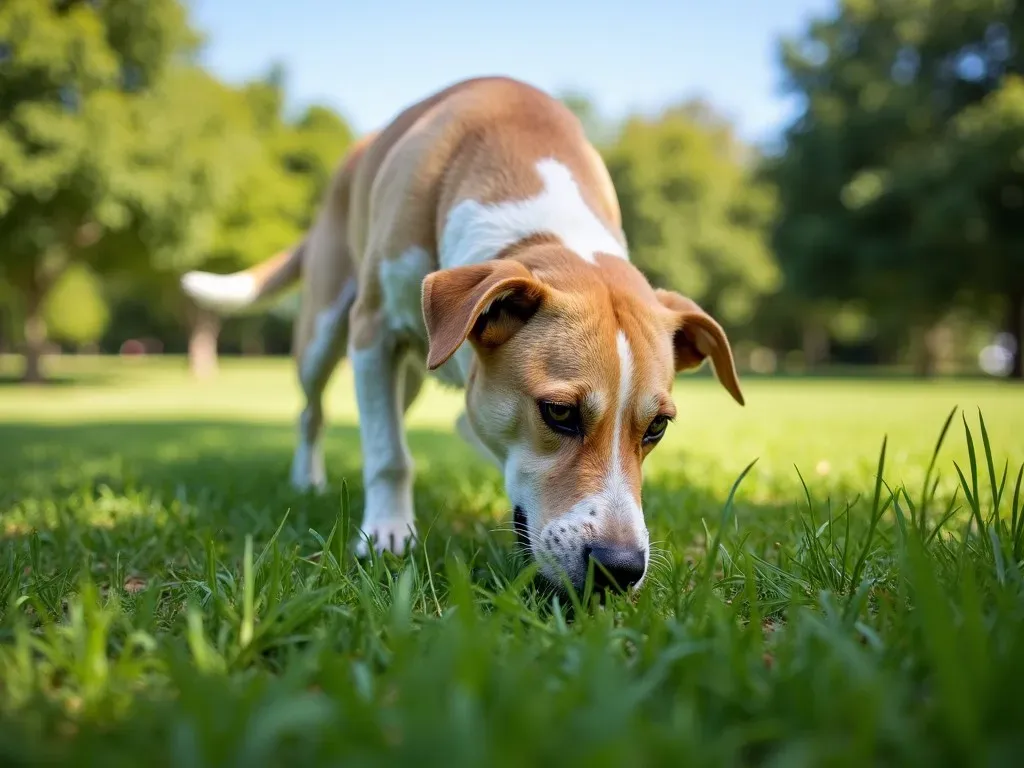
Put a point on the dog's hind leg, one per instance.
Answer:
(329, 289)
(319, 358)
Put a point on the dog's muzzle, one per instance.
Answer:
(616, 568)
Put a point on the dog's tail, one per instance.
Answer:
(227, 294)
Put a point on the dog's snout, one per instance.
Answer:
(616, 567)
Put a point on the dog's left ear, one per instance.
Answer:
(487, 303)
(697, 337)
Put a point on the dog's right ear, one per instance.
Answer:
(486, 303)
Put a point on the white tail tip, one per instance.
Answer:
(221, 293)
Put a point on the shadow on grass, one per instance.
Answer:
(151, 495)
(58, 381)
(153, 492)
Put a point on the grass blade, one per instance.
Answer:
(273, 540)
(901, 520)
(925, 496)
(974, 469)
(723, 522)
(951, 510)
(1017, 518)
(248, 595)
(346, 525)
(972, 501)
(991, 469)
(876, 515)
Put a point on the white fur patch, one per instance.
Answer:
(308, 465)
(388, 513)
(625, 384)
(328, 340)
(615, 499)
(308, 469)
(221, 293)
(474, 232)
(401, 282)
(619, 496)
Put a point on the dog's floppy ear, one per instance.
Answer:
(487, 302)
(697, 337)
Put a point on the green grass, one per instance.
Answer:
(166, 600)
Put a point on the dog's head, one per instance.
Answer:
(571, 391)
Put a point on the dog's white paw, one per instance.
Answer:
(392, 534)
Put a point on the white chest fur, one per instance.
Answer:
(401, 283)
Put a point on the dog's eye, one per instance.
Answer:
(562, 418)
(656, 430)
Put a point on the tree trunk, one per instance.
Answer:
(35, 337)
(1015, 328)
(202, 344)
(815, 344)
(252, 341)
(925, 353)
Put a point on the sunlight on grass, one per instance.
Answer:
(166, 599)
(829, 429)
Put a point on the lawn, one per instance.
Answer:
(165, 599)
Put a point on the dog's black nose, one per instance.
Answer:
(624, 566)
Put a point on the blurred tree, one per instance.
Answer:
(694, 212)
(284, 180)
(901, 186)
(973, 207)
(75, 310)
(598, 129)
(86, 145)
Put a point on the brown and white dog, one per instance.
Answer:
(478, 237)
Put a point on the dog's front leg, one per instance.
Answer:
(388, 519)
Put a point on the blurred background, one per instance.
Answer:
(840, 183)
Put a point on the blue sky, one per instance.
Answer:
(369, 59)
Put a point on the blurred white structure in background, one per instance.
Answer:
(997, 358)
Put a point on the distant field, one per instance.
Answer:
(132, 628)
(787, 423)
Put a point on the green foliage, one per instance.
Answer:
(162, 605)
(318, 141)
(114, 152)
(117, 152)
(69, 167)
(902, 185)
(597, 127)
(284, 182)
(75, 309)
(694, 214)
(976, 200)
(191, 145)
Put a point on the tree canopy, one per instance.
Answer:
(118, 152)
(693, 210)
(894, 208)
(902, 183)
